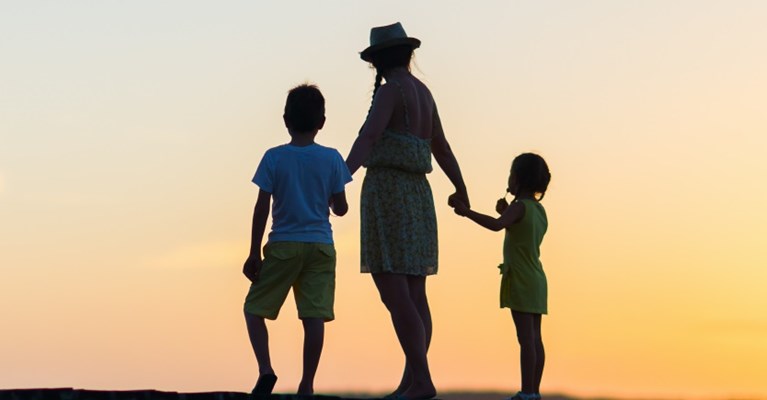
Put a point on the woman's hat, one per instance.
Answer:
(382, 37)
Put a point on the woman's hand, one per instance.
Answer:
(459, 206)
(463, 197)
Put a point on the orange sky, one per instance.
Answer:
(130, 133)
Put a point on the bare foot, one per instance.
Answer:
(420, 391)
(305, 390)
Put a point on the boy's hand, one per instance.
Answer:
(501, 205)
(252, 268)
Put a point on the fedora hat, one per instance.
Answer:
(382, 37)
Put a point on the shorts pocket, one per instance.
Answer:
(281, 251)
(327, 250)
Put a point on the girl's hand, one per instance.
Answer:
(501, 205)
(461, 209)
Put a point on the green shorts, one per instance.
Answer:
(309, 268)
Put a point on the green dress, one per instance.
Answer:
(523, 285)
(398, 222)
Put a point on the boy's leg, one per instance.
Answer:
(314, 336)
(526, 336)
(259, 339)
(314, 291)
(265, 298)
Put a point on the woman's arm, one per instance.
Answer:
(442, 152)
(375, 124)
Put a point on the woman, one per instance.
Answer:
(398, 222)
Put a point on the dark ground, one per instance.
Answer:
(79, 394)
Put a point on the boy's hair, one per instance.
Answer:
(531, 173)
(304, 108)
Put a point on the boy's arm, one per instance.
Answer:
(510, 216)
(252, 267)
(338, 204)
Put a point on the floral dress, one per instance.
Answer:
(398, 221)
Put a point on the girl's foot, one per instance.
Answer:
(525, 396)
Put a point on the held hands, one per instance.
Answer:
(252, 267)
(459, 204)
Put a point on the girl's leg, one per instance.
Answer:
(410, 329)
(528, 347)
(540, 354)
(314, 336)
(259, 339)
(417, 288)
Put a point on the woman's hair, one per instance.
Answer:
(386, 59)
(531, 173)
(304, 108)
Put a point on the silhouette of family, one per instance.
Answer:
(301, 182)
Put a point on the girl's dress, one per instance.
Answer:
(523, 285)
(398, 221)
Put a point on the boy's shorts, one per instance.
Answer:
(309, 268)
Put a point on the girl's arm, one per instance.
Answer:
(513, 214)
(445, 158)
(375, 124)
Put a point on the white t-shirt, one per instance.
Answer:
(301, 181)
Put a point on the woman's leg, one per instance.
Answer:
(410, 329)
(417, 288)
(529, 336)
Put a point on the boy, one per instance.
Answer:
(305, 180)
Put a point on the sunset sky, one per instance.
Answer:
(129, 132)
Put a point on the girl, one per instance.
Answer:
(523, 285)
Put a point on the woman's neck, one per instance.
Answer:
(395, 73)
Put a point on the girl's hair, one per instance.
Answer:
(531, 173)
(386, 59)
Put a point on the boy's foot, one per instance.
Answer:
(265, 384)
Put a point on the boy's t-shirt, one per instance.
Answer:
(301, 181)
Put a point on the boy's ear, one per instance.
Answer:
(322, 123)
(285, 119)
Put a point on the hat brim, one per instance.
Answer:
(413, 42)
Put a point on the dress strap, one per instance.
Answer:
(404, 104)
